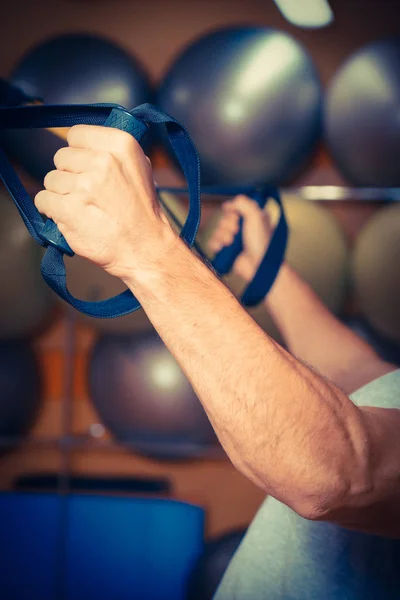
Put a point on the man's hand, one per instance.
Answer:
(102, 198)
(257, 231)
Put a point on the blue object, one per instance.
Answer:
(72, 69)
(251, 100)
(275, 254)
(53, 268)
(79, 547)
(29, 546)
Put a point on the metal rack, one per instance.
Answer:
(335, 192)
(328, 193)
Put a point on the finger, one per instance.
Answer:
(103, 139)
(244, 205)
(60, 182)
(221, 238)
(47, 203)
(57, 207)
(229, 222)
(76, 160)
(215, 245)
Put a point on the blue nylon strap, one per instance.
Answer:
(272, 261)
(59, 115)
(53, 268)
(275, 254)
(188, 158)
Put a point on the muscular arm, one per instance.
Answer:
(317, 337)
(309, 330)
(285, 427)
(292, 432)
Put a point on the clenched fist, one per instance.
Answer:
(103, 200)
(257, 231)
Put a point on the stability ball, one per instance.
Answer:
(375, 271)
(251, 100)
(10, 95)
(26, 302)
(72, 69)
(362, 122)
(317, 250)
(212, 564)
(91, 283)
(143, 397)
(20, 389)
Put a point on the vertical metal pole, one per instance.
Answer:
(65, 451)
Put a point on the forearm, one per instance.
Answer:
(282, 425)
(313, 334)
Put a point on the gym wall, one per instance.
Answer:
(155, 32)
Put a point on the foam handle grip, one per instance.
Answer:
(119, 119)
(224, 260)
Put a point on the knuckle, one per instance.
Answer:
(125, 142)
(105, 160)
(252, 204)
(73, 133)
(86, 183)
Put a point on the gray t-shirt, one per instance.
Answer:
(286, 557)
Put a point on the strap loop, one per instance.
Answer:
(275, 253)
(47, 234)
(136, 122)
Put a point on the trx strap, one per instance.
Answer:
(135, 122)
(275, 254)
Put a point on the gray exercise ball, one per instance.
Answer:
(362, 123)
(77, 68)
(375, 271)
(250, 99)
(26, 302)
(143, 397)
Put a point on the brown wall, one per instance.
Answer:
(156, 31)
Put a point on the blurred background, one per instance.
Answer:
(101, 434)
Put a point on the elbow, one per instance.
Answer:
(335, 498)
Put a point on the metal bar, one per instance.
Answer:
(65, 470)
(334, 193)
(323, 193)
